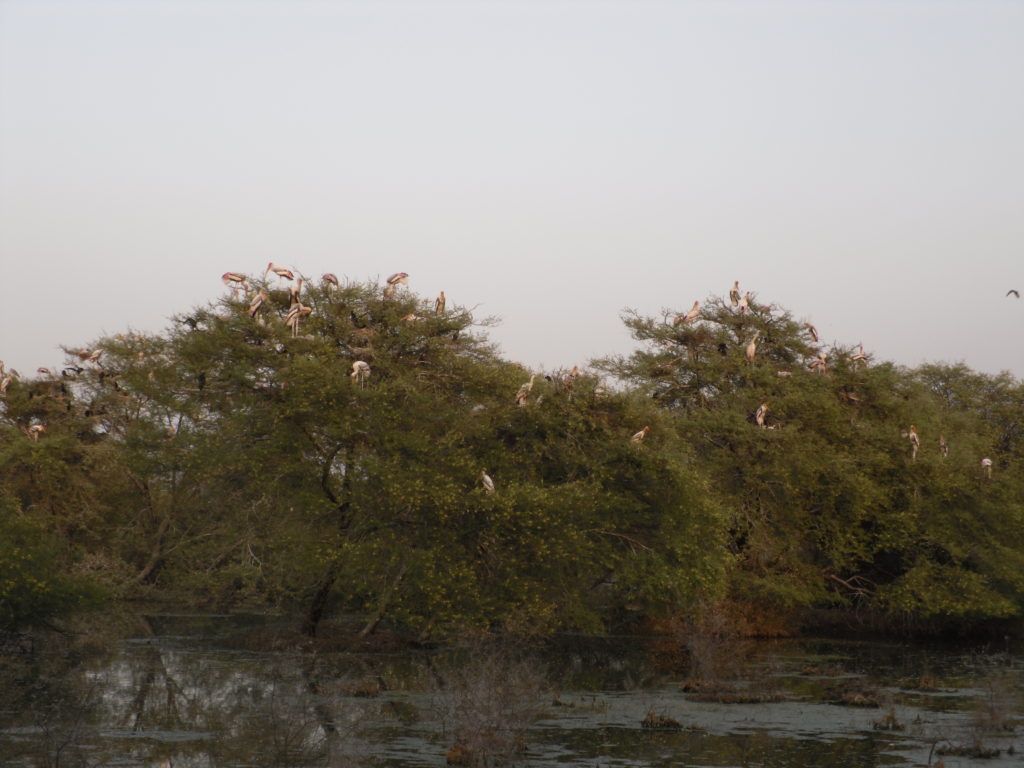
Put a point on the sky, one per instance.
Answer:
(547, 162)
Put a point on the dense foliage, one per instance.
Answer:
(352, 447)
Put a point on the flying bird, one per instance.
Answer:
(1013, 291)
(439, 303)
(734, 294)
(393, 281)
(639, 436)
(813, 331)
(524, 392)
(360, 372)
(486, 482)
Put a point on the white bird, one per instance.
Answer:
(752, 347)
(295, 314)
(813, 331)
(330, 278)
(258, 300)
(745, 303)
(486, 482)
(986, 464)
(690, 316)
(360, 372)
(734, 294)
(820, 364)
(393, 281)
(439, 303)
(524, 392)
(639, 436)
(35, 431)
(860, 357)
(5, 383)
(915, 442)
(760, 414)
(235, 281)
(282, 273)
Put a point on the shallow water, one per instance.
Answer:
(190, 690)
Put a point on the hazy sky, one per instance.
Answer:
(551, 163)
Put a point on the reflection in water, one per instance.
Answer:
(191, 691)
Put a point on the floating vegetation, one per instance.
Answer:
(657, 721)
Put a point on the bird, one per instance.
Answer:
(860, 357)
(784, 374)
(524, 392)
(282, 273)
(820, 363)
(5, 383)
(745, 303)
(89, 355)
(943, 446)
(257, 302)
(690, 316)
(486, 482)
(1013, 291)
(293, 293)
(439, 303)
(42, 371)
(568, 379)
(986, 464)
(360, 372)
(295, 314)
(399, 278)
(412, 317)
(331, 279)
(752, 347)
(915, 442)
(235, 281)
(639, 436)
(734, 294)
(35, 431)
(760, 414)
(813, 331)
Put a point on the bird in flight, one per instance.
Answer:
(1014, 292)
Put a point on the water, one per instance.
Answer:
(226, 691)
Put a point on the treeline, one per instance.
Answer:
(335, 448)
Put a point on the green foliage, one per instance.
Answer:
(35, 586)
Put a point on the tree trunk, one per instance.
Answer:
(319, 601)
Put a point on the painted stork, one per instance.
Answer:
(524, 392)
(393, 281)
(690, 316)
(486, 482)
(752, 347)
(439, 303)
(282, 273)
(331, 279)
(734, 294)
(639, 436)
(360, 372)
(813, 331)
(986, 464)
(760, 414)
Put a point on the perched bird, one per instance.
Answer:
(412, 318)
(986, 464)
(360, 372)
(42, 371)
(439, 304)
(524, 392)
(734, 294)
(486, 482)
(813, 331)
(295, 314)
(745, 303)
(257, 302)
(282, 273)
(399, 278)
(943, 446)
(820, 363)
(35, 431)
(1013, 291)
(293, 293)
(331, 279)
(760, 414)
(569, 379)
(235, 281)
(5, 383)
(690, 316)
(752, 347)
(915, 442)
(639, 436)
(860, 357)
(89, 356)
